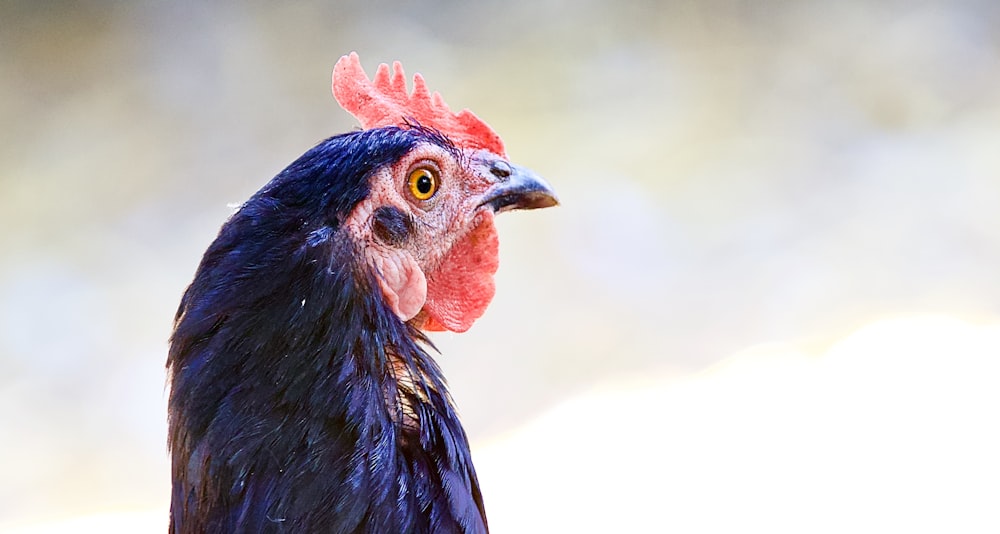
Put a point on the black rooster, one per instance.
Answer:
(303, 398)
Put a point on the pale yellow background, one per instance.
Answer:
(769, 302)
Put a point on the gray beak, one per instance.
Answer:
(517, 188)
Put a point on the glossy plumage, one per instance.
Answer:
(300, 402)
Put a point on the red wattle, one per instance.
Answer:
(459, 291)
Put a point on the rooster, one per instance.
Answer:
(302, 395)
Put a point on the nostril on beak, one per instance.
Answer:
(500, 169)
(517, 189)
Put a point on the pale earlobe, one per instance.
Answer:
(404, 285)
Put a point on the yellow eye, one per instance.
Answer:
(423, 183)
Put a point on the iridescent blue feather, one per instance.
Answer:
(280, 367)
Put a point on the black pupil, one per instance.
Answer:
(424, 184)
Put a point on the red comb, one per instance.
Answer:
(383, 101)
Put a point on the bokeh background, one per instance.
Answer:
(769, 300)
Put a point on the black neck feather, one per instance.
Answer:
(299, 402)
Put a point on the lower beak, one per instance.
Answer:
(520, 189)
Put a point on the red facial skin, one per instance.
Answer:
(441, 276)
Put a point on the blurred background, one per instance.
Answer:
(768, 301)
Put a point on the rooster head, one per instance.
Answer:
(426, 225)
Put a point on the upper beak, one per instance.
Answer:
(517, 188)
